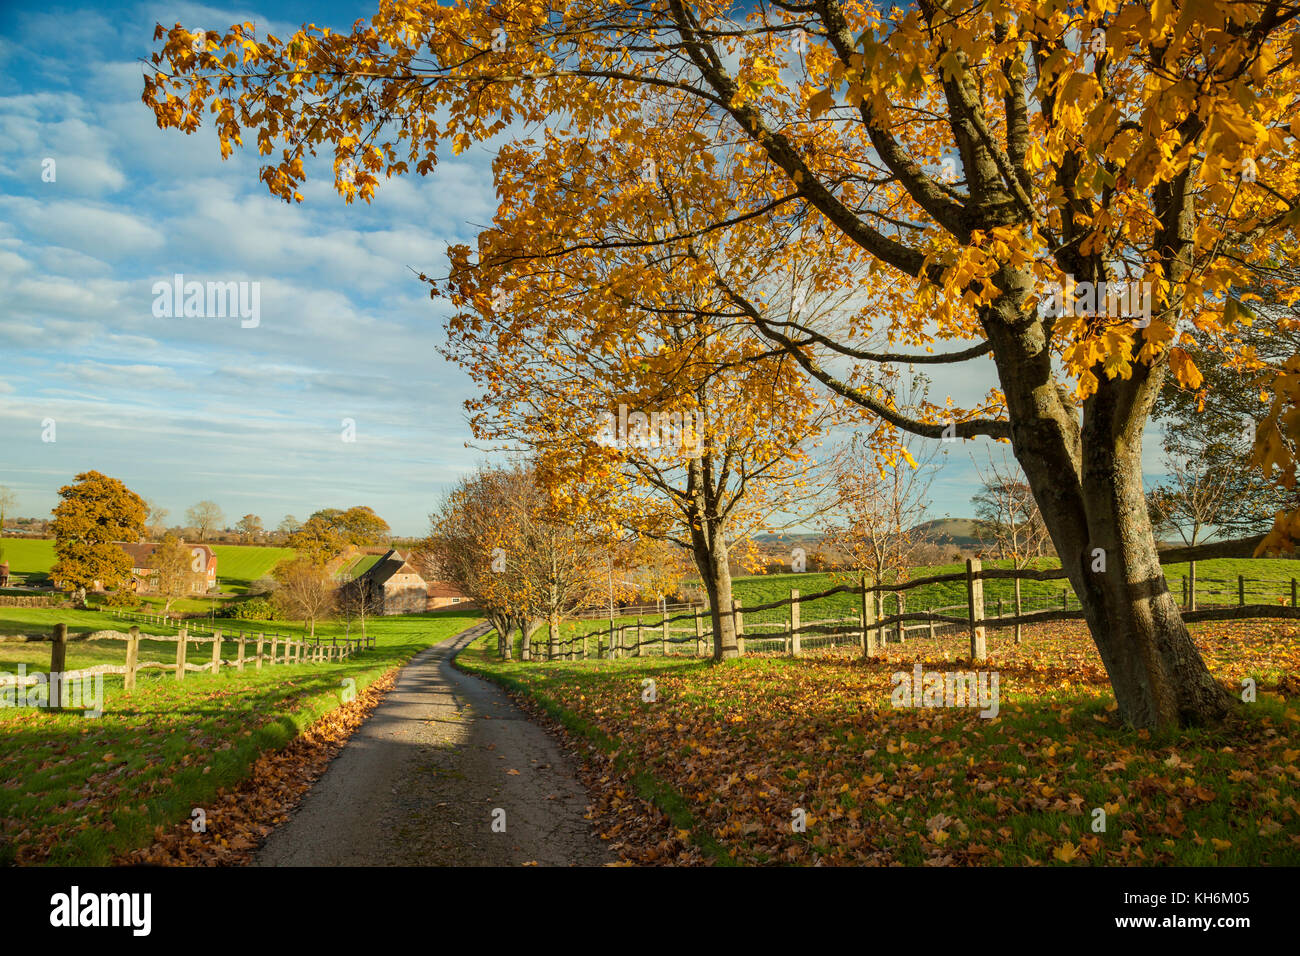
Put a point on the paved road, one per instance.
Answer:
(418, 784)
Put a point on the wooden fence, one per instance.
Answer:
(269, 650)
(200, 625)
(31, 600)
(870, 629)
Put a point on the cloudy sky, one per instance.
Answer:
(97, 205)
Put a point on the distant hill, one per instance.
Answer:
(961, 532)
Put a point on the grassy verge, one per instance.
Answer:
(77, 790)
(741, 746)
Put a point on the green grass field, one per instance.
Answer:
(80, 791)
(28, 556)
(238, 565)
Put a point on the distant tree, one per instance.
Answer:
(173, 572)
(249, 527)
(7, 501)
(881, 493)
(288, 525)
(306, 591)
(1007, 517)
(356, 602)
(318, 540)
(358, 526)
(1008, 520)
(96, 511)
(205, 517)
(156, 522)
(1193, 502)
(1210, 431)
(363, 527)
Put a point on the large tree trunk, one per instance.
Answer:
(713, 562)
(1087, 479)
(502, 625)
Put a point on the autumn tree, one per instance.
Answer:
(1139, 157)
(249, 527)
(205, 517)
(96, 511)
(473, 545)
(305, 592)
(641, 390)
(358, 526)
(172, 573)
(318, 539)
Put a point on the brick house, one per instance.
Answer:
(203, 566)
(397, 585)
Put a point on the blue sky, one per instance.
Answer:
(184, 409)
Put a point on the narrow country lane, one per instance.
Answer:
(420, 782)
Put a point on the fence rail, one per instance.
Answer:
(270, 649)
(198, 625)
(870, 628)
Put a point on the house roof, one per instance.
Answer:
(141, 553)
(441, 589)
(392, 563)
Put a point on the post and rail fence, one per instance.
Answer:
(253, 649)
(200, 625)
(870, 629)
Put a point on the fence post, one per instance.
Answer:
(699, 632)
(796, 647)
(636, 652)
(975, 605)
(868, 619)
(132, 656)
(1241, 590)
(1185, 605)
(260, 639)
(1191, 585)
(182, 638)
(932, 635)
(1018, 626)
(58, 664)
(275, 649)
(216, 652)
(738, 617)
(1065, 599)
(1293, 592)
(239, 661)
(665, 638)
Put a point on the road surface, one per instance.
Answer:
(424, 779)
